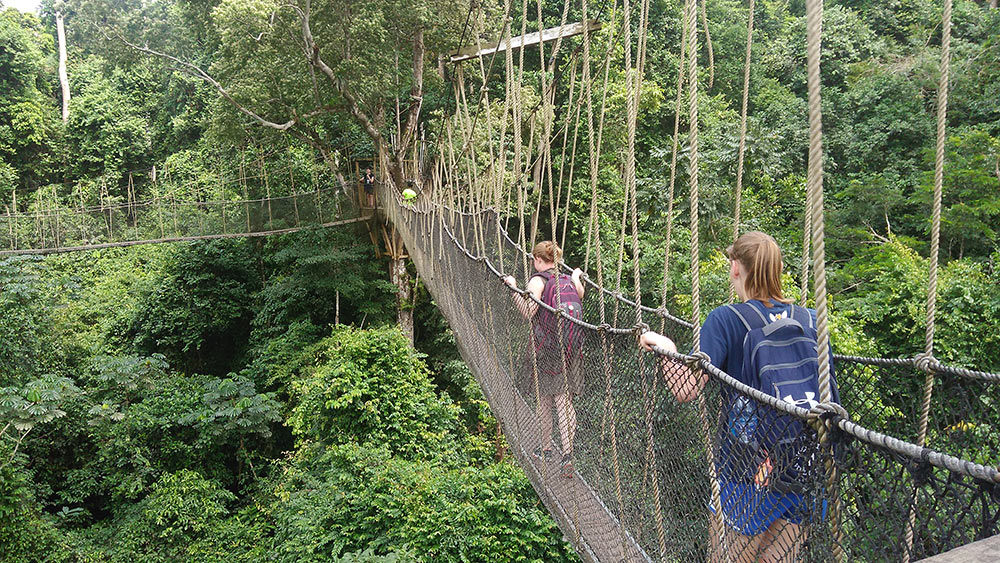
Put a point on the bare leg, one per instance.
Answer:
(567, 421)
(545, 421)
(739, 548)
(782, 541)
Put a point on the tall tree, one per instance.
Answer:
(63, 75)
(299, 67)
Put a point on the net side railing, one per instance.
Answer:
(644, 466)
(964, 419)
(56, 227)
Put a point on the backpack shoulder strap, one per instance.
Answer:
(547, 289)
(779, 324)
(749, 320)
(802, 315)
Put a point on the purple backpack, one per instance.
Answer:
(559, 293)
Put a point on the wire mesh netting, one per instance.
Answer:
(51, 226)
(632, 474)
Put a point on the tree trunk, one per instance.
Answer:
(63, 76)
(404, 291)
(993, 4)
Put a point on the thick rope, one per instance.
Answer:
(691, 13)
(804, 267)
(814, 192)
(929, 371)
(692, 50)
(741, 151)
(673, 173)
(708, 44)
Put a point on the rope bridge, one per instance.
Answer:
(884, 476)
(642, 483)
(53, 224)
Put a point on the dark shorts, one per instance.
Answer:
(369, 188)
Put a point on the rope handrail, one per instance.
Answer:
(463, 273)
(901, 447)
(870, 360)
(73, 211)
(182, 238)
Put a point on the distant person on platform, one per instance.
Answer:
(557, 347)
(368, 180)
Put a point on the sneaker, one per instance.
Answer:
(567, 466)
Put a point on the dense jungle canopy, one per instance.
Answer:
(254, 399)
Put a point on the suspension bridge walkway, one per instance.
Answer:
(892, 477)
(51, 225)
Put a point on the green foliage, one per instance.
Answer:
(24, 342)
(180, 508)
(36, 403)
(26, 534)
(370, 387)
(26, 112)
(131, 446)
(199, 312)
(971, 194)
(344, 498)
(107, 131)
(314, 267)
(232, 408)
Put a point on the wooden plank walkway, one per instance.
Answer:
(982, 551)
(527, 40)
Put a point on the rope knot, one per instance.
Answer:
(639, 328)
(826, 410)
(662, 312)
(926, 362)
(604, 327)
(694, 361)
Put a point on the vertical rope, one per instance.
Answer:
(692, 49)
(708, 44)
(741, 152)
(691, 12)
(814, 192)
(555, 205)
(673, 171)
(929, 372)
(600, 120)
(804, 269)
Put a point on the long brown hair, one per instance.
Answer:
(761, 259)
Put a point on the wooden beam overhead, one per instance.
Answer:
(546, 35)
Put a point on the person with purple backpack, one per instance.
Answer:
(553, 366)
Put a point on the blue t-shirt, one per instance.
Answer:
(723, 333)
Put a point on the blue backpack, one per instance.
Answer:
(779, 358)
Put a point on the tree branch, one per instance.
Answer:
(416, 93)
(197, 71)
(338, 83)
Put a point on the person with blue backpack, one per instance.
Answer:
(553, 365)
(766, 462)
